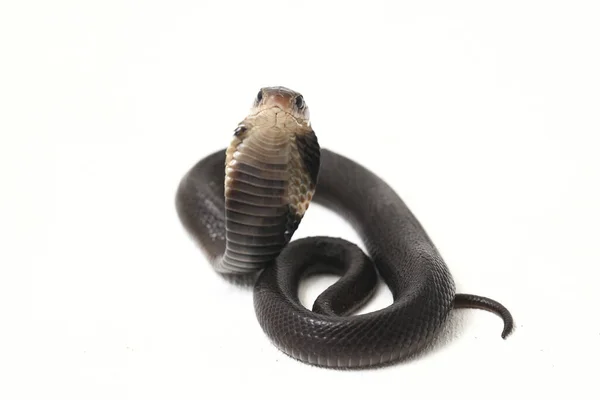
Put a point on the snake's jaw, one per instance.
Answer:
(271, 169)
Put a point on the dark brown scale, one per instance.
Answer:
(259, 173)
(241, 267)
(253, 219)
(258, 251)
(253, 180)
(255, 241)
(275, 158)
(262, 165)
(254, 200)
(253, 230)
(270, 149)
(292, 223)
(268, 153)
(257, 211)
(258, 190)
(310, 154)
(250, 258)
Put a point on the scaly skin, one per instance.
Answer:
(243, 204)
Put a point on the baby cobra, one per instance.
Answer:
(244, 203)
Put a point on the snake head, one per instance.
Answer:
(284, 99)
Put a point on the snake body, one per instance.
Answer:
(243, 204)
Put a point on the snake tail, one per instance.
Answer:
(463, 300)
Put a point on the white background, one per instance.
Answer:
(482, 115)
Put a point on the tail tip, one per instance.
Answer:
(508, 329)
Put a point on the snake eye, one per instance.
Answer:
(300, 102)
(259, 96)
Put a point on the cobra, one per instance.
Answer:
(244, 203)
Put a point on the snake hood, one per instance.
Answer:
(271, 172)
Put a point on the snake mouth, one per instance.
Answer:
(276, 116)
(274, 110)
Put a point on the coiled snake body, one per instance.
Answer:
(243, 204)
